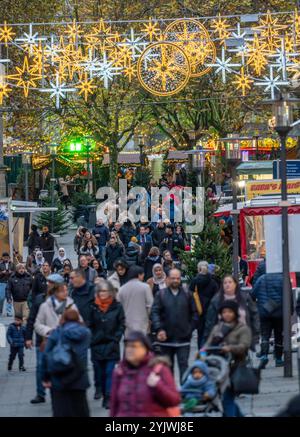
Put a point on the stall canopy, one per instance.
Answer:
(255, 167)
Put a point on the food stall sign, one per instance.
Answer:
(292, 169)
(264, 188)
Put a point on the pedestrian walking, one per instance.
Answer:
(16, 339)
(143, 385)
(107, 324)
(90, 273)
(6, 270)
(33, 239)
(68, 383)
(174, 317)
(17, 291)
(152, 259)
(47, 244)
(158, 281)
(204, 288)
(101, 232)
(136, 299)
(40, 281)
(120, 276)
(234, 338)
(58, 262)
(82, 292)
(114, 252)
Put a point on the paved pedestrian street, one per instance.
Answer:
(17, 388)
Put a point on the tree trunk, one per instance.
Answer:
(113, 168)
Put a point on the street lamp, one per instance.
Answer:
(53, 151)
(282, 123)
(88, 147)
(233, 155)
(141, 144)
(26, 162)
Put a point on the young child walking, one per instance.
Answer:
(16, 339)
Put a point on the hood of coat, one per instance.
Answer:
(74, 331)
(150, 360)
(132, 251)
(203, 280)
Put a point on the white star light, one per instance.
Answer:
(223, 65)
(282, 59)
(52, 51)
(30, 39)
(105, 70)
(136, 44)
(90, 64)
(271, 83)
(58, 90)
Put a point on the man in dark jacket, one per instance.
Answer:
(90, 273)
(204, 288)
(6, 270)
(40, 281)
(53, 281)
(261, 270)
(33, 239)
(268, 293)
(101, 232)
(47, 244)
(158, 234)
(174, 317)
(114, 251)
(18, 289)
(83, 293)
(171, 242)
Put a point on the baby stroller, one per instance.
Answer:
(218, 371)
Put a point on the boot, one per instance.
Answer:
(9, 366)
(263, 362)
(279, 362)
(98, 393)
(105, 403)
(38, 400)
(22, 369)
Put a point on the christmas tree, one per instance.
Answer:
(142, 177)
(208, 246)
(60, 217)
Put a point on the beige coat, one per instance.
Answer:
(47, 319)
(137, 299)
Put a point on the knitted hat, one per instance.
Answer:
(140, 337)
(230, 304)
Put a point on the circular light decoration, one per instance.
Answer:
(163, 69)
(193, 38)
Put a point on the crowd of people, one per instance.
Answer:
(128, 291)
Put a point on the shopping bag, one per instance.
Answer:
(245, 380)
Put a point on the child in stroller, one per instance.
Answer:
(203, 386)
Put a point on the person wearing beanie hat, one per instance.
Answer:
(143, 385)
(234, 337)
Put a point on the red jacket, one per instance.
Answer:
(132, 397)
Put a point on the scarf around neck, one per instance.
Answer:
(156, 280)
(103, 304)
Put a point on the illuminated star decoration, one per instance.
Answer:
(223, 65)
(271, 83)
(130, 71)
(136, 44)
(27, 76)
(151, 29)
(30, 39)
(58, 90)
(6, 34)
(243, 82)
(86, 87)
(73, 31)
(220, 26)
(105, 70)
(282, 59)
(257, 55)
(4, 90)
(269, 30)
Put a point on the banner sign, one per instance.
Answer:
(269, 187)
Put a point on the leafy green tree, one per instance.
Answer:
(142, 177)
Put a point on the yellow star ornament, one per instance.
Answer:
(26, 77)
(243, 82)
(6, 34)
(86, 87)
(4, 90)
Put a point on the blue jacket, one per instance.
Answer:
(16, 335)
(78, 337)
(198, 386)
(268, 287)
(103, 231)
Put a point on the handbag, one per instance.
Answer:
(197, 301)
(245, 380)
(271, 306)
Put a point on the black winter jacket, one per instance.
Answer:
(157, 236)
(39, 285)
(83, 297)
(177, 315)
(18, 287)
(56, 265)
(132, 256)
(36, 303)
(113, 253)
(107, 329)
(103, 233)
(148, 265)
(47, 242)
(206, 287)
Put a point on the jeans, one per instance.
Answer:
(38, 373)
(231, 409)
(14, 351)
(267, 324)
(2, 296)
(103, 370)
(102, 256)
(182, 353)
